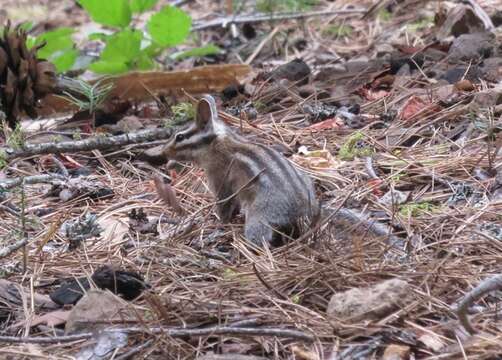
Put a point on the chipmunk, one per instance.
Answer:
(274, 196)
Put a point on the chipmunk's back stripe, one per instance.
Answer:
(257, 158)
(294, 178)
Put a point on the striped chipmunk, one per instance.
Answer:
(275, 198)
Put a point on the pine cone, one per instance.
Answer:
(24, 79)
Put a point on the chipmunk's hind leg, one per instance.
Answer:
(258, 231)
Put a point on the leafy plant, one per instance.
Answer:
(384, 15)
(355, 146)
(420, 24)
(58, 48)
(416, 209)
(126, 48)
(182, 113)
(197, 52)
(16, 138)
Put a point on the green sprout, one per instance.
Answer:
(87, 96)
(417, 209)
(355, 146)
(341, 30)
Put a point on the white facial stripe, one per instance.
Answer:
(219, 128)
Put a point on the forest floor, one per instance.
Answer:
(391, 109)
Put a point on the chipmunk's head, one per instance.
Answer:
(193, 143)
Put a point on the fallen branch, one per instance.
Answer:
(129, 354)
(260, 17)
(488, 285)
(94, 143)
(175, 333)
(6, 251)
(35, 179)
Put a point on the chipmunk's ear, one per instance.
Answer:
(206, 112)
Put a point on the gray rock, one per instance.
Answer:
(487, 98)
(473, 47)
(370, 303)
(492, 69)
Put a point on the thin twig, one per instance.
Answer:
(29, 180)
(94, 143)
(175, 333)
(134, 350)
(488, 285)
(260, 17)
(6, 251)
(260, 46)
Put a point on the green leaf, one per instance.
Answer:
(30, 41)
(56, 40)
(170, 26)
(122, 46)
(210, 49)
(140, 6)
(58, 49)
(144, 62)
(27, 26)
(63, 61)
(98, 36)
(109, 67)
(152, 50)
(115, 13)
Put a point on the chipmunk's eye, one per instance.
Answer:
(179, 137)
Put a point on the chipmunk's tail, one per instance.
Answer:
(353, 218)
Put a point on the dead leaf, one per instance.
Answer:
(326, 124)
(316, 159)
(394, 197)
(51, 319)
(415, 105)
(114, 229)
(372, 95)
(94, 309)
(376, 184)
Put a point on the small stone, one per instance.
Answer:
(370, 303)
(491, 69)
(295, 71)
(456, 74)
(485, 99)
(471, 47)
